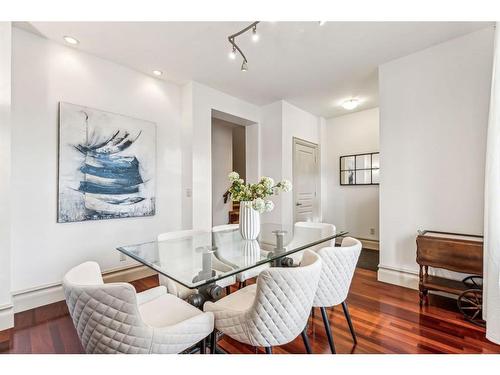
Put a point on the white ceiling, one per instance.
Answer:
(311, 66)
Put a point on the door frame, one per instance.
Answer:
(316, 207)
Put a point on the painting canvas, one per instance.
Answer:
(107, 165)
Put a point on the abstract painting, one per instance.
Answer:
(107, 165)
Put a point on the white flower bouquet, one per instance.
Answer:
(257, 193)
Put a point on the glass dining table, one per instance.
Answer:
(199, 259)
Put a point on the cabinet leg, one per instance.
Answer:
(424, 297)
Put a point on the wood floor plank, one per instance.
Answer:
(387, 319)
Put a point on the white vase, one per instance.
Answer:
(251, 252)
(249, 221)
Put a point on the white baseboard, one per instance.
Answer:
(6, 317)
(405, 278)
(35, 297)
(366, 243)
(369, 244)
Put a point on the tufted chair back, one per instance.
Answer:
(281, 307)
(339, 264)
(106, 316)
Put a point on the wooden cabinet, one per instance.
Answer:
(449, 251)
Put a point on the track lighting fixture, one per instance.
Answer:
(236, 48)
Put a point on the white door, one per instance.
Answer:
(306, 179)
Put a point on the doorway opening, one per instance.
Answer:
(228, 154)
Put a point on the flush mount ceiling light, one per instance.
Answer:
(157, 73)
(236, 48)
(321, 23)
(350, 104)
(70, 40)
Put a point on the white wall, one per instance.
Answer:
(280, 123)
(433, 118)
(351, 208)
(6, 313)
(297, 123)
(222, 165)
(45, 73)
(271, 152)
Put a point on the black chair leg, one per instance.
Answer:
(306, 341)
(213, 342)
(203, 346)
(328, 329)
(244, 283)
(269, 349)
(228, 290)
(348, 317)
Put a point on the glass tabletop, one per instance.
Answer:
(198, 258)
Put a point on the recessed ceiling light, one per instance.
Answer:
(321, 23)
(350, 104)
(157, 73)
(70, 40)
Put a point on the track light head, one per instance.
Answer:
(232, 54)
(244, 66)
(255, 36)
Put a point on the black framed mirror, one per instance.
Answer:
(360, 169)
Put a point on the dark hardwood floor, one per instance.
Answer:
(387, 319)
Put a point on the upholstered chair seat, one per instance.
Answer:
(113, 318)
(339, 264)
(179, 240)
(275, 310)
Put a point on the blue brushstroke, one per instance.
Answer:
(90, 187)
(118, 174)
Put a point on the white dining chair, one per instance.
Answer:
(338, 268)
(272, 312)
(228, 235)
(177, 246)
(113, 318)
(307, 232)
